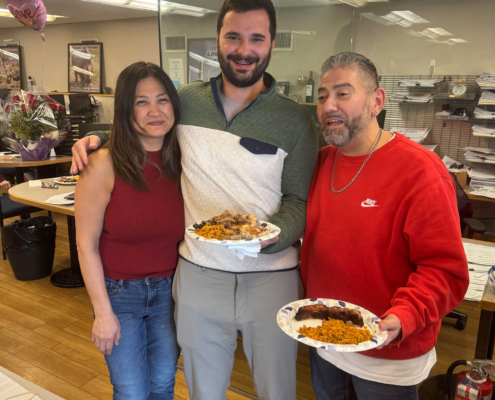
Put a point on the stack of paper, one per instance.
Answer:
(419, 82)
(485, 131)
(483, 180)
(486, 81)
(480, 260)
(415, 134)
(487, 98)
(483, 114)
(444, 113)
(480, 155)
(450, 163)
(413, 97)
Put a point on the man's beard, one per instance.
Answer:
(240, 79)
(343, 135)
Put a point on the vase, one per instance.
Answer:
(35, 150)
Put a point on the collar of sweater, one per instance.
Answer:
(263, 97)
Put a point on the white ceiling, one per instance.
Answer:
(82, 11)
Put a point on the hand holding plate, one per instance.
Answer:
(391, 324)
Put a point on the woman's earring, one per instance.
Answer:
(376, 113)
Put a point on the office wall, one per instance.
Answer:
(396, 51)
(331, 24)
(124, 42)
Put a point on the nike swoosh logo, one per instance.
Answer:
(364, 204)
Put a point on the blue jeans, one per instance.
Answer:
(331, 383)
(144, 364)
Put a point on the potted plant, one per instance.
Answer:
(34, 124)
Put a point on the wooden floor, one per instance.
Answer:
(45, 337)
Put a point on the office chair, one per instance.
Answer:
(9, 209)
(59, 98)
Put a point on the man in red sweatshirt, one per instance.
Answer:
(382, 232)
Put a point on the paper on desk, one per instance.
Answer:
(473, 295)
(34, 183)
(486, 192)
(479, 254)
(480, 268)
(59, 199)
(450, 162)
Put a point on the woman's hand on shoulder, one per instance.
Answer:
(106, 333)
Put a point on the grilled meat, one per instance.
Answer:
(320, 311)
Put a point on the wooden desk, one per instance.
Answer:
(469, 190)
(36, 196)
(18, 164)
(486, 329)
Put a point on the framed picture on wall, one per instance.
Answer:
(85, 68)
(202, 59)
(283, 88)
(10, 67)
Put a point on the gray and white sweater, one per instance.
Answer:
(261, 162)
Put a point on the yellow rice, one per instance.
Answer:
(337, 332)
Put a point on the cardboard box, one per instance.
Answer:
(462, 177)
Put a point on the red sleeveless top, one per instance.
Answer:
(142, 230)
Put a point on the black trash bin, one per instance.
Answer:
(30, 247)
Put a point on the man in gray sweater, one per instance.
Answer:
(250, 150)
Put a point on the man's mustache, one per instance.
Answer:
(325, 117)
(237, 58)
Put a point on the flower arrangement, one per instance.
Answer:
(34, 124)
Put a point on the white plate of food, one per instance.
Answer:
(228, 229)
(331, 325)
(66, 180)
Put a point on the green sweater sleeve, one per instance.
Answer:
(103, 135)
(299, 167)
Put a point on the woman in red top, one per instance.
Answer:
(130, 221)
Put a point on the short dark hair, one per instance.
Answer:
(349, 59)
(128, 155)
(242, 6)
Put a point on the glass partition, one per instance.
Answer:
(308, 32)
(446, 42)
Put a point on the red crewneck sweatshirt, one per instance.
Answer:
(390, 243)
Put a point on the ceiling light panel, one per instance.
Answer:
(410, 16)
(4, 12)
(439, 31)
(166, 6)
(376, 18)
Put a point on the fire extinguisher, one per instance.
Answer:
(474, 384)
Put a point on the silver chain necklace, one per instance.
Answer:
(360, 169)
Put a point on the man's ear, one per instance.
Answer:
(379, 100)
